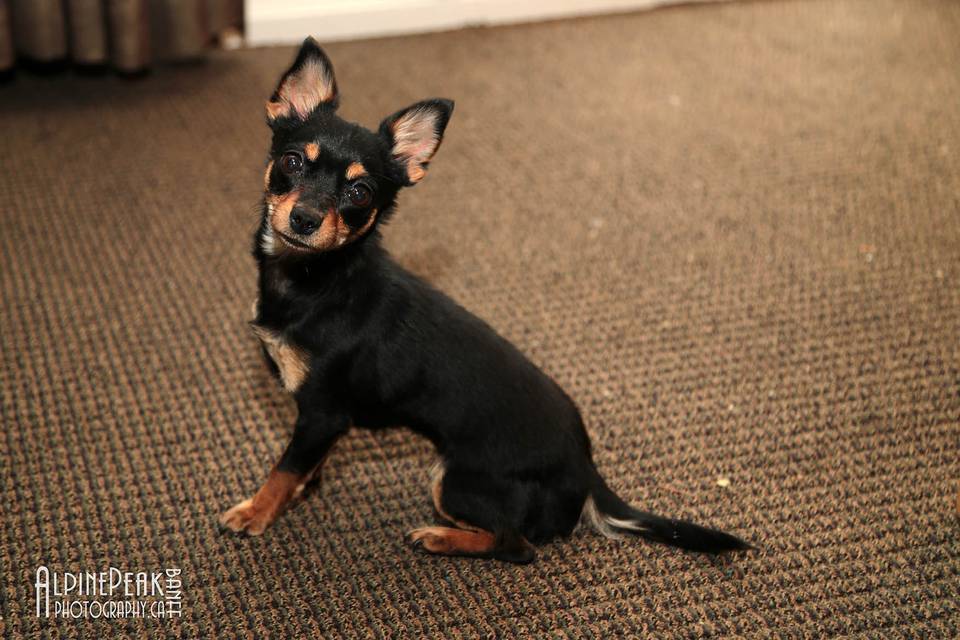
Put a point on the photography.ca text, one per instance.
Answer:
(112, 593)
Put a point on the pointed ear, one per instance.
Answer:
(308, 84)
(414, 135)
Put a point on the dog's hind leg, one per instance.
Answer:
(436, 493)
(468, 539)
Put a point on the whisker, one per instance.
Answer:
(385, 177)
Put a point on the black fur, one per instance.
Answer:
(386, 348)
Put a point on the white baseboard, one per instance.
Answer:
(290, 21)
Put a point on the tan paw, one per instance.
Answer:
(433, 539)
(245, 516)
(453, 542)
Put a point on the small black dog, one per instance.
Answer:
(359, 340)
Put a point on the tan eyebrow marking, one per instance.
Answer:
(312, 149)
(356, 170)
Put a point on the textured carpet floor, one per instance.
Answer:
(731, 232)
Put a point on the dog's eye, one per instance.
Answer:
(291, 163)
(359, 195)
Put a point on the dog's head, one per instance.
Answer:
(329, 182)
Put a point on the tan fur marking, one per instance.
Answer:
(266, 176)
(415, 172)
(282, 205)
(277, 109)
(290, 359)
(447, 541)
(356, 170)
(312, 151)
(255, 514)
(362, 230)
(280, 208)
(333, 231)
(436, 491)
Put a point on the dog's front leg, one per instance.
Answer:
(318, 427)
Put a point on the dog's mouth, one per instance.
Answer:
(293, 242)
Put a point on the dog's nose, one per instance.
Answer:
(303, 223)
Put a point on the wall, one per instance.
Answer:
(289, 21)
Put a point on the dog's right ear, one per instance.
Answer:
(307, 85)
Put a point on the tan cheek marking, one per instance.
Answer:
(326, 236)
(290, 359)
(266, 176)
(343, 231)
(356, 170)
(359, 232)
(281, 208)
(312, 150)
(334, 232)
(285, 200)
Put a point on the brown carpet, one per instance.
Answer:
(731, 232)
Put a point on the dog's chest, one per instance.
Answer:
(292, 361)
(272, 310)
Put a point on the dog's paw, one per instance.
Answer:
(432, 539)
(247, 516)
(454, 542)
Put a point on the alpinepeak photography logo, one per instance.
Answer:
(110, 593)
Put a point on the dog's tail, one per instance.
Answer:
(611, 516)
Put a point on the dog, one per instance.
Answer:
(357, 339)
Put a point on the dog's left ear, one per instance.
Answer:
(307, 84)
(414, 134)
